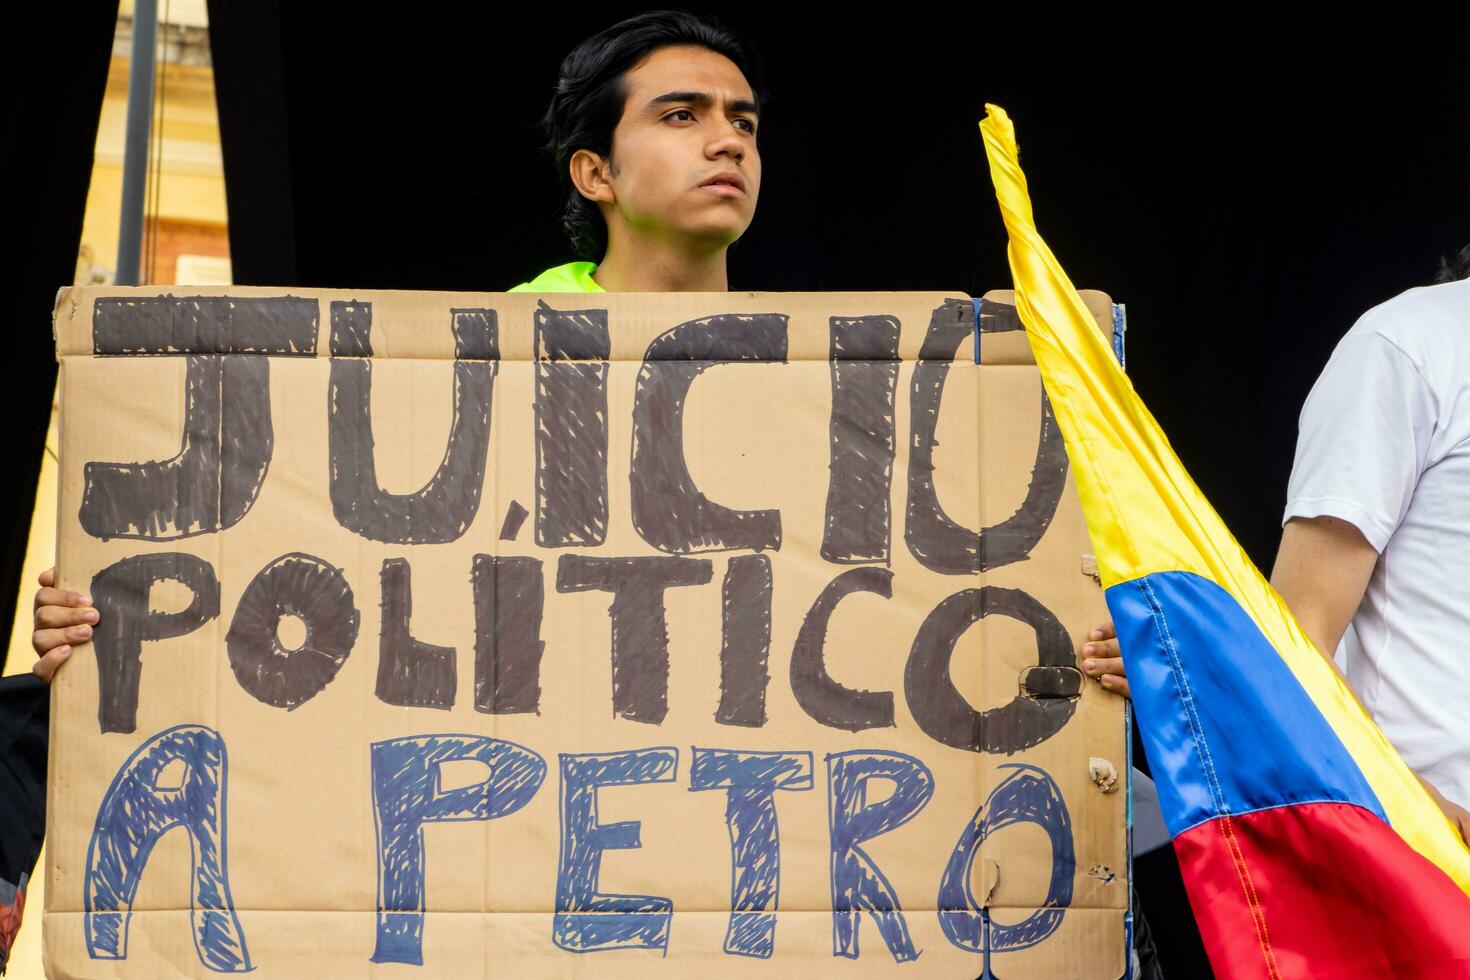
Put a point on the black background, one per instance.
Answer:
(1246, 185)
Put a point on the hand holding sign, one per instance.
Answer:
(62, 618)
(1102, 660)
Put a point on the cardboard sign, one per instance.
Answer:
(473, 635)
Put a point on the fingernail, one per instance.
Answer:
(63, 651)
(81, 632)
(1088, 648)
(81, 599)
(1089, 665)
(89, 616)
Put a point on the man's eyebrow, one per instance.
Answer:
(704, 100)
(694, 98)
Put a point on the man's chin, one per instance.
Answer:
(715, 237)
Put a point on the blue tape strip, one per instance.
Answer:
(976, 304)
(1120, 328)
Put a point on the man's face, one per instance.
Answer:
(684, 164)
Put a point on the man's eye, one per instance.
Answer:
(682, 115)
(746, 125)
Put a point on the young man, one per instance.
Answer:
(1376, 531)
(653, 130)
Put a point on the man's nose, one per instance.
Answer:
(727, 143)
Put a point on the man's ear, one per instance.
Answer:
(591, 175)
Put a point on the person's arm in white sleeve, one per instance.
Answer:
(1365, 438)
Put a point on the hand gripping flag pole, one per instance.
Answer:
(1308, 847)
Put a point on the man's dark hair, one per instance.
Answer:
(590, 95)
(1454, 266)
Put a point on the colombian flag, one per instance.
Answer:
(1308, 847)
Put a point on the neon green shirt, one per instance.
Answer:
(574, 277)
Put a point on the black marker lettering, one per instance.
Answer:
(126, 619)
(818, 694)
(293, 585)
(443, 508)
(640, 634)
(212, 481)
(745, 642)
(572, 349)
(669, 511)
(935, 540)
(509, 597)
(942, 711)
(411, 672)
(864, 379)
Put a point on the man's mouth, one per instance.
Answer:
(727, 183)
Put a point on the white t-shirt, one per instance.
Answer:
(1384, 444)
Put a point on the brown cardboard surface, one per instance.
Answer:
(302, 817)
